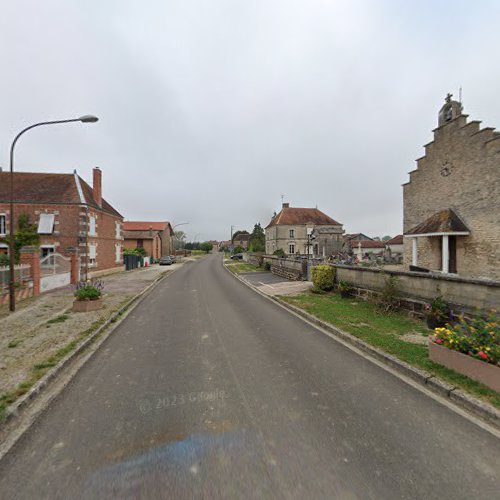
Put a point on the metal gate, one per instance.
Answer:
(55, 271)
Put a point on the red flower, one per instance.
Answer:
(482, 355)
(438, 341)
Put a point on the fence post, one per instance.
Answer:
(31, 256)
(75, 265)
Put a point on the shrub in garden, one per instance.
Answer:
(322, 277)
(267, 266)
(478, 337)
(279, 253)
(387, 300)
(89, 290)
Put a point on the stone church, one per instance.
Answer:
(452, 200)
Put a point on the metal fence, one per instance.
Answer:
(22, 275)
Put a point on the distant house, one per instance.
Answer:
(452, 200)
(303, 231)
(68, 214)
(395, 245)
(140, 230)
(357, 237)
(149, 240)
(241, 240)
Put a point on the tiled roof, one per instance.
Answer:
(130, 225)
(397, 240)
(40, 188)
(139, 235)
(290, 216)
(367, 244)
(446, 221)
(242, 237)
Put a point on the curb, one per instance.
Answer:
(14, 410)
(431, 382)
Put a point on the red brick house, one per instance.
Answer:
(140, 230)
(149, 240)
(68, 214)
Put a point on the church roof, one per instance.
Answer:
(443, 222)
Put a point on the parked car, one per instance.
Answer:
(237, 256)
(166, 260)
(173, 258)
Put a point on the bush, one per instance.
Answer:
(267, 266)
(4, 259)
(322, 277)
(345, 288)
(91, 290)
(238, 249)
(387, 300)
(279, 253)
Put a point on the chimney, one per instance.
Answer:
(286, 205)
(97, 185)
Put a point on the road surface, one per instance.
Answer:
(208, 390)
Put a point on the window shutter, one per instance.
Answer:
(46, 224)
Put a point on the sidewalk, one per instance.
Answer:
(44, 326)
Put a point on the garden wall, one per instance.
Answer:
(290, 269)
(464, 294)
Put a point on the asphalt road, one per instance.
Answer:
(208, 390)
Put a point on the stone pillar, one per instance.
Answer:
(75, 265)
(31, 256)
(414, 256)
(445, 266)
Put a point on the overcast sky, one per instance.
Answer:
(211, 110)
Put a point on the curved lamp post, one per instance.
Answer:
(83, 119)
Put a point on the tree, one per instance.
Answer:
(238, 250)
(25, 235)
(206, 247)
(257, 241)
(386, 238)
(241, 231)
(179, 239)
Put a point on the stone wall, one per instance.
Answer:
(415, 289)
(290, 269)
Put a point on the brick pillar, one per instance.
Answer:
(75, 265)
(31, 256)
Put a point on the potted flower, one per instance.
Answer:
(437, 313)
(470, 347)
(88, 296)
(345, 289)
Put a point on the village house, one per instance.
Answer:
(303, 231)
(155, 237)
(68, 214)
(149, 240)
(394, 246)
(452, 200)
(365, 249)
(241, 240)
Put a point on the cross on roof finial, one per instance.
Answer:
(448, 97)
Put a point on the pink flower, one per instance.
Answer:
(438, 341)
(482, 355)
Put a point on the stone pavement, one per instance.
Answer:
(271, 284)
(43, 325)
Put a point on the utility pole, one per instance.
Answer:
(232, 227)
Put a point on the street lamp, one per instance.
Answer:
(83, 119)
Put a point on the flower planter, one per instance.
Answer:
(87, 305)
(485, 373)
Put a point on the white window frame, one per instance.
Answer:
(92, 255)
(3, 225)
(292, 233)
(291, 248)
(92, 225)
(46, 224)
(51, 249)
(118, 230)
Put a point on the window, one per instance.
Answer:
(140, 243)
(92, 254)
(118, 253)
(291, 249)
(46, 250)
(118, 230)
(3, 224)
(92, 226)
(46, 224)
(292, 233)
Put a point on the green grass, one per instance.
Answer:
(242, 267)
(14, 343)
(384, 330)
(60, 319)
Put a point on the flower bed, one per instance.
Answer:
(471, 347)
(88, 296)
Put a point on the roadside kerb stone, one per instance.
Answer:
(14, 409)
(431, 382)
